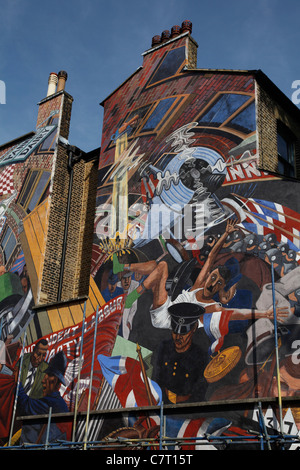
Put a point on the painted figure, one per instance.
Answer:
(53, 378)
(210, 281)
(180, 361)
(112, 290)
(33, 370)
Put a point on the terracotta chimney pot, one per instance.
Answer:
(186, 26)
(175, 31)
(155, 41)
(165, 35)
(62, 78)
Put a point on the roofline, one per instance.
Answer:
(16, 140)
(258, 74)
(165, 43)
(237, 71)
(275, 92)
(123, 83)
(263, 80)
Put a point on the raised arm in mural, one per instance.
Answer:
(210, 281)
(157, 275)
(213, 280)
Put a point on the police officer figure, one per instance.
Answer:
(181, 362)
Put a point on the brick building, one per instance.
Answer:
(176, 244)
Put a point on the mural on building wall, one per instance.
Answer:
(25, 170)
(24, 184)
(187, 231)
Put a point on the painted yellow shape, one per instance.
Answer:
(66, 315)
(35, 227)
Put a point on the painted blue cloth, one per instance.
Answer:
(32, 406)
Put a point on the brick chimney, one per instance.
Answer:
(177, 33)
(56, 101)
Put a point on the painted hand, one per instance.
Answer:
(281, 313)
(230, 227)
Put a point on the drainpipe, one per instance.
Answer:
(74, 155)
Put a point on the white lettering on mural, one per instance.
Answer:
(111, 307)
(243, 171)
(69, 337)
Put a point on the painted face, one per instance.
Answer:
(182, 342)
(38, 355)
(290, 386)
(213, 284)
(49, 383)
(112, 287)
(24, 283)
(126, 281)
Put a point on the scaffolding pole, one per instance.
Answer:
(91, 380)
(48, 428)
(17, 391)
(257, 438)
(79, 372)
(263, 425)
(276, 350)
(150, 443)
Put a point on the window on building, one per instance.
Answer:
(34, 189)
(170, 65)
(230, 111)
(286, 151)
(8, 244)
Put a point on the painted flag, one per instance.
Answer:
(196, 428)
(148, 187)
(216, 327)
(263, 217)
(69, 340)
(19, 264)
(124, 374)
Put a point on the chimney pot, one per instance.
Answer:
(62, 78)
(175, 31)
(165, 35)
(155, 40)
(52, 81)
(186, 26)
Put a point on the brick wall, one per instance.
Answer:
(269, 112)
(80, 231)
(48, 105)
(55, 235)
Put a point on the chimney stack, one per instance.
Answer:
(186, 27)
(62, 78)
(52, 81)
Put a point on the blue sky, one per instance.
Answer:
(100, 43)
